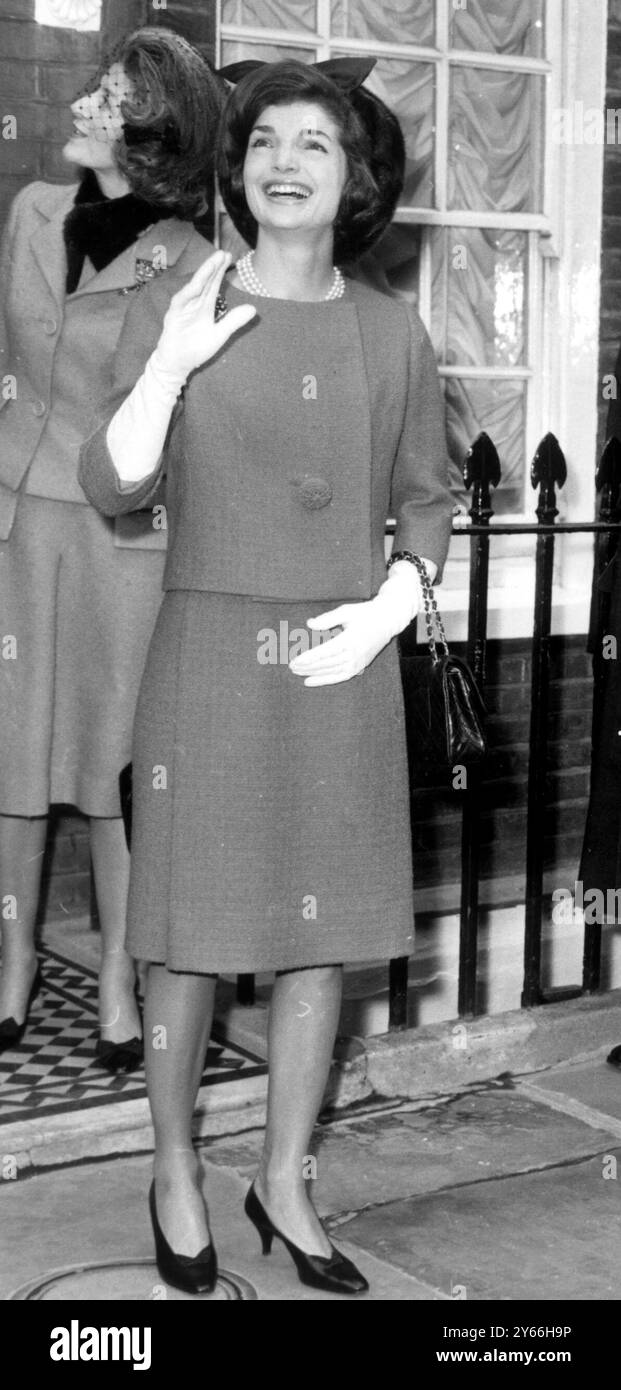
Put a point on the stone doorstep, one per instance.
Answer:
(422, 1064)
(125, 1128)
(444, 1058)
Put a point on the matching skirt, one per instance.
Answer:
(77, 616)
(271, 824)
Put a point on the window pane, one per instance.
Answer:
(266, 52)
(408, 88)
(499, 408)
(493, 26)
(402, 21)
(479, 296)
(271, 14)
(495, 141)
(69, 14)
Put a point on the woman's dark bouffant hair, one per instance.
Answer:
(371, 138)
(167, 152)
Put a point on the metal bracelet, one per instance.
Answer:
(432, 614)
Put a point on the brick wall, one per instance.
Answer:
(436, 814)
(41, 69)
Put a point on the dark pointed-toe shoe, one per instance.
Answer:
(11, 1032)
(333, 1273)
(123, 1056)
(191, 1273)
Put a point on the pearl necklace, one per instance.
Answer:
(252, 285)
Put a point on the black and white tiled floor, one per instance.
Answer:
(53, 1070)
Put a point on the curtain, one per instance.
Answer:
(401, 21)
(270, 14)
(500, 26)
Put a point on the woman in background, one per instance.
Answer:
(79, 598)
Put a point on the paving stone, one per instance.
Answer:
(594, 1084)
(540, 1236)
(97, 1214)
(398, 1153)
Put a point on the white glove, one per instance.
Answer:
(190, 336)
(137, 433)
(366, 628)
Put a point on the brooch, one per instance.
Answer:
(221, 308)
(144, 272)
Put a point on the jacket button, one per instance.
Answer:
(314, 493)
(50, 326)
(38, 408)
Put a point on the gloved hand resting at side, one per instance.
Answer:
(367, 628)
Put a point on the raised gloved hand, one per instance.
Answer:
(190, 335)
(366, 628)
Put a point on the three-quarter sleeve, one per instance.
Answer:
(420, 498)
(96, 472)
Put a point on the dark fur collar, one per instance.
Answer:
(102, 228)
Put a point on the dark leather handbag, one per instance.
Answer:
(445, 714)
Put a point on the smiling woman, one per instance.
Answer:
(289, 425)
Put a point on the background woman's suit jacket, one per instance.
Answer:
(59, 348)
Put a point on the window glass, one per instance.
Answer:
(495, 140)
(69, 14)
(270, 14)
(499, 408)
(496, 26)
(398, 22)
(409, 89)
(478, 296)
(234, 51)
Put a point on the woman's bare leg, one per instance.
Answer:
(178, 1018)
(304, 1017)
(22, 846)
(119, 1018)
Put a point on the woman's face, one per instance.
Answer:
(98, 122)
(295, 168)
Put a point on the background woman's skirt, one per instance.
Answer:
(81, 611)
(271, 823)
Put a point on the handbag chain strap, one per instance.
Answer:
(432, 612)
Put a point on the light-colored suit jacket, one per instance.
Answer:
(57, 350)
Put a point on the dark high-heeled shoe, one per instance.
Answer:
(334, 1273)
(191, 1273)
(11, 1032)
(123, 1056)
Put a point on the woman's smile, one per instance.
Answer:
(295, 191)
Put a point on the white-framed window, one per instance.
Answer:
(84, 15)
(497, 237)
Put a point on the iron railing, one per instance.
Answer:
(482, 473)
